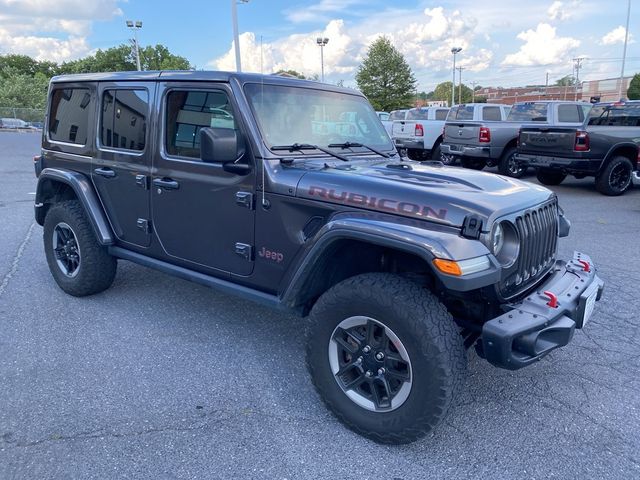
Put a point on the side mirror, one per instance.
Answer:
(220, 145)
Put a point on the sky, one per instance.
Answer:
(504, 43)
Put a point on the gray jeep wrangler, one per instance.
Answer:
(290, 193)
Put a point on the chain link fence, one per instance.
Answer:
(28, 115)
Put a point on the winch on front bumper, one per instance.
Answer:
(546, 318)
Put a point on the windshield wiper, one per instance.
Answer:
(357, 145)
(298, 147)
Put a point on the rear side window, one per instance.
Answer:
(69, 115)
(397, 115)
(124, 119)
(615, 115)
(491, 114)
(441, 114)
(383, 116)
(528, 112)
(190, 111)
(418, 114)
(461, 112)
(570, 114)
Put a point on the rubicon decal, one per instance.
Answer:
(383, 204)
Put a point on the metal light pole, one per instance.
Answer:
(236, 37)
(624, 51)
(454, 50)
(460, 84)
(322, 41)
(135, 26)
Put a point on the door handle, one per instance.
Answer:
(167, 183)
(105, 172)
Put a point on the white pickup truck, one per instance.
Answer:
(420, 133)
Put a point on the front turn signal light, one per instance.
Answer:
(462, 267)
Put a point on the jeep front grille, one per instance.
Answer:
(538, 233)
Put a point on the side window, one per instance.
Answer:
(190, 111)
(491, 114)
(441, 114)
(69, 115)
(123, 122)
(569, 114)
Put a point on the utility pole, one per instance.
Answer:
(546, 86)
(460, 84)
(624, 52)
(473, 92)
(578, 64)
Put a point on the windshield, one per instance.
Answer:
(288, 115)
(618, 115)
(528, 112)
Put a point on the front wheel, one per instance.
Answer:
(615, 177)
(550, 177)
(385, 356)
(78, 263)
(508, 165)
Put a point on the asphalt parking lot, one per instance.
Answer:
(161, 378)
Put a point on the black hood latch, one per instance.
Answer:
(472, 226)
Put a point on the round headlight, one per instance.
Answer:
(497, 239)
(505, 243)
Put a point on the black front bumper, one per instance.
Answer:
(532, 328)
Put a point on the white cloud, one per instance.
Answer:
(615, 36)
(320, 11)
(542, 47)
(560, 11)
(48, 30)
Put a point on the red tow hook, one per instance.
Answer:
(585, 266)
(553, 299)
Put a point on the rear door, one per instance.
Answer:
(121, 166)
(202, 214)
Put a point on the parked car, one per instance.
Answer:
(386, 123)
(225, 179)
(420, 132)
(482, 143)
(12, 123)
(606, 146)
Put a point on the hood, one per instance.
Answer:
(432, 192)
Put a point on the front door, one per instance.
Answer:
(121, 166)
(202, 214)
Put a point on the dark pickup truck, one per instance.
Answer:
(606, 146)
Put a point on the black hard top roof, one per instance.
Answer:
(198, 76)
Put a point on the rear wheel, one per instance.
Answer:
(78, 263)
(508, 165)
(615, 177)
(473, 163)
(385, 356)
(550, 177)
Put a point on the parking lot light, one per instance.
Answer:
(135, 26)
(322, 41)
(454, 51)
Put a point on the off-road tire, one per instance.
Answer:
(97, 268)
(550, 177)
(426, 330)
(507, 165)
(473, 163)
(606, 180)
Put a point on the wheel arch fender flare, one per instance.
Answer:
(621, 149)
(425, 244)
(46, 190)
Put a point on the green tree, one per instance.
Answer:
(21, 90)
(290, 73)
(566, 81)
(443, 92)
(633, 92)
(385, 77)
(23, 64)
(160, 58)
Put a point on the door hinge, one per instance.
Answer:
(141, 181)
(472, 226)
(245, 199)
(244, 250)
(144, 225)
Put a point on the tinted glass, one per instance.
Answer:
(418, 114)
(124, 119)
(615, 115)
(461, 112)
(528, 112)
(398, 115)
(69, 115)
(491, 114)
(441, 114)
(288, 115)
(383, 116)
(190, 111)
(570, 114)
